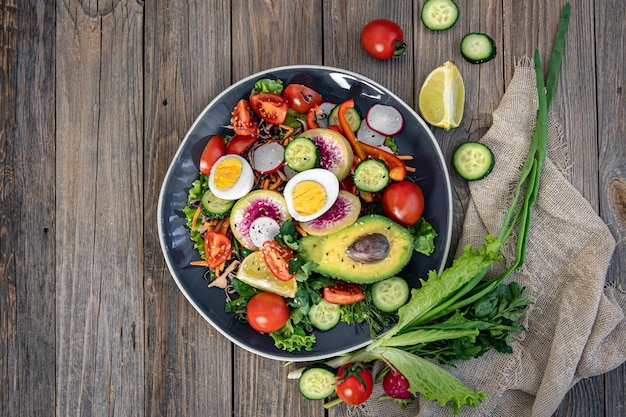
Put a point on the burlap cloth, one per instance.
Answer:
(576, 328)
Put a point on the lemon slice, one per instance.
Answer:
(254, 272)
(442, 97)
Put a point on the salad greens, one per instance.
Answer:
(456, 315)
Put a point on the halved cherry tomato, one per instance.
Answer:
(343, 293)
(354, 383)
(277, 258)
(267, 312)
(239, 143)
(383, 39)
(213, 150)
(403, 202)
(301, 98)
(270, 107)
(217, 248)
(241, 119)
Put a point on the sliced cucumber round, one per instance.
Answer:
(301, 154)
(324, 315)
(473, 160)
(371, 175)
(352, 116)
(317, 382)
(390, 294)
(439, 14)
(215, 207)
(478, 48)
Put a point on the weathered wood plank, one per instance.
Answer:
(610, 38)
(187, 60)
(27, 218)
(99, 208)
(271, 34)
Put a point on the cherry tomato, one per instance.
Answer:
(267, 312)
(239, 143)
(343, 293)
(403, 202)
(352, 389)
(270, 107)
(241, 119)
(383, 39)
(217, 248)
(213, 150)
(301, 98)
(277, 258)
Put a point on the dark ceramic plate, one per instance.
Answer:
(335, 85)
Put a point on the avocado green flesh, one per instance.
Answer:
(330, 252)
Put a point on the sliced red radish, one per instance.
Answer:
(384, 119)
(325, 107)
(369, 136)
(268, 157)
(263, 229)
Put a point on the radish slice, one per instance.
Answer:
(369, 136)
(269, 157)
(384, 119)
(263, 229)
(326, 107)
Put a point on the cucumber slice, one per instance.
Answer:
(478, 48)
(352, 116)
(324, 315)
(371, 175)
(390, 294)
(439, 14)
(215, 207)
(301, 154)
(317, 382)
(473, 160)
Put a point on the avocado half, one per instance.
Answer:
(370, 250)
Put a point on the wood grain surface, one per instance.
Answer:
(95, 98)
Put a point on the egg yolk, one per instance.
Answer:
(308, 197)
(227, 172)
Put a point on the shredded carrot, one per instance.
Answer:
(410, 169)
(286, 141)
(195, 218)
(405, 157)
(199, 263)
(288, 130)
(266, 183)
(301, 231)
(219, 268)
(225, 225)
(276, 184)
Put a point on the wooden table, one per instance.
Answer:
(95, 98)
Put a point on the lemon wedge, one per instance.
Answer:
(442, 97)
(254, 272)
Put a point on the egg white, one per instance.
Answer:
(325, 178)
(244, 183)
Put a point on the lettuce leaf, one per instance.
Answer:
(268, 85)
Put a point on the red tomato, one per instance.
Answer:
(241, 119)
(239, 143)
(217, 248)
(383, 39)
(267, 312)
(301, 98)
(213, 150)
(277, 258)
(270, 107)
(349, 386)
(403, 202)
(343, 293)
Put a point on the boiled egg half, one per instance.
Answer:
(231, 177)
(311, 193)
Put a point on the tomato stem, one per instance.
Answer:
(399, 48)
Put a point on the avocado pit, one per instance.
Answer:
(369, 248)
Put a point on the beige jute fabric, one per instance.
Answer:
(576, 328)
